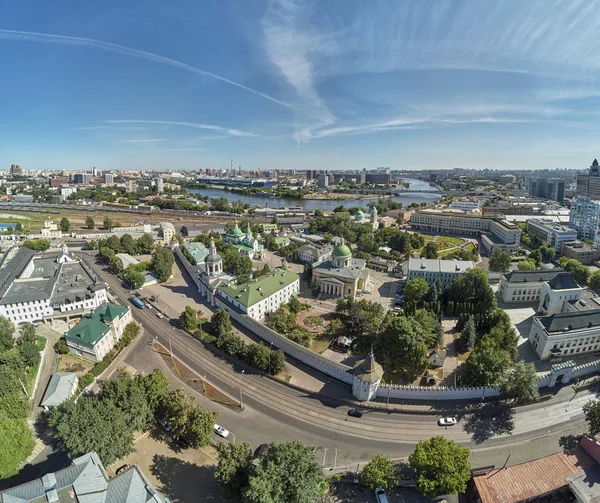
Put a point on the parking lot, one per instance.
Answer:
(355, 493)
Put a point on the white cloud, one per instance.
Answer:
(211, 127)
(127, 51)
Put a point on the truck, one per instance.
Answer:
(137, 301)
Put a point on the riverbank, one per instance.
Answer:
(333, 196)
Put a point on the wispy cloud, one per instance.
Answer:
(180, 149)
(128, 51)
(210, 127)
(148, 140)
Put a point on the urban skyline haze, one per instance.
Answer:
(300, 84)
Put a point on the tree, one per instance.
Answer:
(19, 227)
(591, 412)
(580, 271)
(128, 244)
(145, 244)
(527, 265)
(156, 386)
(13, 405)
(65, 225)
(89, 223)
(30, 354)
(189, 319)
(92, 425)
(380, 472)
(295, 305)
(401, 347)
(162, 263)
(220, 322)
(259, 356)
(468, 336)
(134, 277)
(62, 347)
(108, 223)
(129, 395)
(37, 244)
(233, 469)
(232, 344)
(595, 280)
(486, 365)
(116, 264)
(520, 383)
(548, 252)
(27, 331)
(415, 291)
(287, 473)
(6, 334)
(442, 467)
(430, 250)
(473, 288)
(499, 261)
(16, 444)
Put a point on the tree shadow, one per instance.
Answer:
(569, 442)
(44, 432)
(183, 481)
(485, 424)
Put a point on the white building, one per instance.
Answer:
(98, 332)
(559, 294)
(584, 217)
(518, 287)
(432, 270)
(548, 233)
(160, 184)
(309, 253)
(262, 295)
(466, 206)
(35, 287)
(167, 230)
(50, 230)
(61, 387)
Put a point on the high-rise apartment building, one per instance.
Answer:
(94, 171)
(584, 216)
(588, 184)
(15, 169)
(546, 188)
(108, 178)
(83, 178)
(160, 184)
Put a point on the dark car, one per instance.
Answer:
(355, 412)
(183, 442)
(261, 450)
(121, 469)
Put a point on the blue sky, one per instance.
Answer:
(299, 84)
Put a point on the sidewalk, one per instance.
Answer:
(47, 368)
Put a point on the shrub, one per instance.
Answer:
(62, 347)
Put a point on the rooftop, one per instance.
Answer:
(85, 480)
(524, 481)
(256, 290)
(59, 388)
(587, 301)
(198, 251)
(537, 276)
(438, 265)
(351, 272)
(564, 322)
(93, 326)
(563, 281)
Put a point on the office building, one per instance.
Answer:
(160, 184)
(507, 179)
(262, 295)
(495, 232)
(433, 270)
(33, 287)
(518, 287)
(588, 184)
(584, 216)
(545, 232)
(85, 480)
(108, 178)
(466, 206)
(15, 169)
(580, 251)
(323, 181)
(58, 182)
(379, 178)
(82, 178)
(546, 188)
(94, 171)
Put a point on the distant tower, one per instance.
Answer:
(213, 261)
(94, 171)
(366, 377)
(374, 222)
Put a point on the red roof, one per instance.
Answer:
(541, 476)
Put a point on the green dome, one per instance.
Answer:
(341, 252)
(359, 213)
(236, 231)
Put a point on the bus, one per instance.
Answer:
(137, 301)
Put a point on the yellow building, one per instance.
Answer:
(342, 275)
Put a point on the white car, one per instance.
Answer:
(447, 421)
(219, 430)
(159, 314)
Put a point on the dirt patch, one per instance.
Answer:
(194, 381)
(71, 363)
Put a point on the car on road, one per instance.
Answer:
(165, 424)
(219, 430)
(261, 450)
(355, 413)
(381, 496)
(447, 421)
(159, 314)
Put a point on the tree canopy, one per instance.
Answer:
(486, 365)
(90, 223)
(499, 261)
(16, 444)
(65, 225)
(520, 383)
(415, 291)
(189, 319)
(430, 250)
(591, 412)
(220, 322)
(162, 263)
(442, 467)
(527, 265)
(381, 471)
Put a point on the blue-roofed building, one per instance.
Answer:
(86, 481)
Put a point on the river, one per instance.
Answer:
(405, 198)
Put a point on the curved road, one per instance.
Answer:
(276, 412)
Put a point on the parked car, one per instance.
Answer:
(261, 450)
(219, 430)
(447, 421)
(121, 469)
(381, 496)
(165, 424)
(355, 413)
(159, 314)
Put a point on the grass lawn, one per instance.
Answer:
(321, 342)
(469, 247)
(450, 240)
(33, 371)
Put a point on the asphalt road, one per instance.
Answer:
(276, 412)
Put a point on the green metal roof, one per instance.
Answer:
(93, 326)
(243, 247)
(342, 251)
(250, 293)
(236, 231)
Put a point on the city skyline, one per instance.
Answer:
(300, 85)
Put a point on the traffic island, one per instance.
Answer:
(194, 381)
